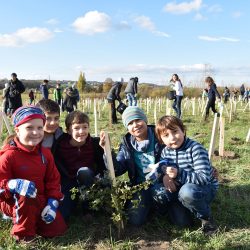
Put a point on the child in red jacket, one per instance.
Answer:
(29, 180)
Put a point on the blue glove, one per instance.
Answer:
(49, 212)
(22, 187)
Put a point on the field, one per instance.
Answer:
(230, 207)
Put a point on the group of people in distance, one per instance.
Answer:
(40, 164)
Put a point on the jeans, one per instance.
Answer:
(156, 197)
(132, 100)
(177, 105)
(197, 199)
(85, 177)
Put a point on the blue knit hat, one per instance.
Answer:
(133, 113)
(26, 113)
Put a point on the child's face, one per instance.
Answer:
(30, 133)
(79, 131)
(138, 128)
(52, 122)
(173, 138)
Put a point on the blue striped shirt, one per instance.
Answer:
(192, 162)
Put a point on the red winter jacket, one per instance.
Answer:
(37, 165)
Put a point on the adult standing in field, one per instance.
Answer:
(16, 88)
(113, 95)
(44, 89)
(242, 91)
(178, 87)
(139, 155)
(76, 94)
(131, 91)
(212, 93)
(32, 96)
(6, 98)
(226, 94)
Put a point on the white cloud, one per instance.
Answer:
(237, 14)
(218, 39)
(145, 23)
(52, 21)
(92, 22)
(183, 8)
(123, 25)
(199, 17)
(57, 30)
(25, 36)
(214, 8)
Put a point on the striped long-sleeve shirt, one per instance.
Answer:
(192, 162)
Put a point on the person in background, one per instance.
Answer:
(178, 87)
(190, 177)
(70, 100)
(58, 93)
(242, 91)
(29, 180)
(6, 98)
(16, 88)
(76, 94)
(138, 156)
(31, 96)
(246, 95)
(44, 89)
(131, 91)
(204, 93)
(212, 93)
(226, 94)
(113, 95)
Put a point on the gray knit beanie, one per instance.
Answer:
(133, 113)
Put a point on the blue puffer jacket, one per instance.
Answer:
(124, 161)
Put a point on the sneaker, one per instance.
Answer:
(208, 227)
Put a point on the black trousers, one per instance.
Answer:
(210, 104)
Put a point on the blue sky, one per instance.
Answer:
(57, 39)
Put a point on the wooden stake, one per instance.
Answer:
(248, 136)
(213, 136)
(221, 140)
(109, 158)
(95, 116)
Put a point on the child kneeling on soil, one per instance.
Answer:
(192, 181)
(79, 159)
(29, 180)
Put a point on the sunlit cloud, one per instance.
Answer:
(52, 21)
(92, 22)
(123, 25)
(199, 17)
(25, 36)
(218, 39)
(145, 23)
(183, 7)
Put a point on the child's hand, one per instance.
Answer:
(171, 172)
(49, 212)
(22, 187)
(102, 139)
(169, 184)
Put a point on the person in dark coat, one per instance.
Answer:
(70, 100)
(44, 89)
(113, 95)
(16, 88)
(212, 93)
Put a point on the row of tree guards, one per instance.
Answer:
(193, 106)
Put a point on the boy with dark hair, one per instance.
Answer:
(190, 179)
(79, 159)
(52, 131)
